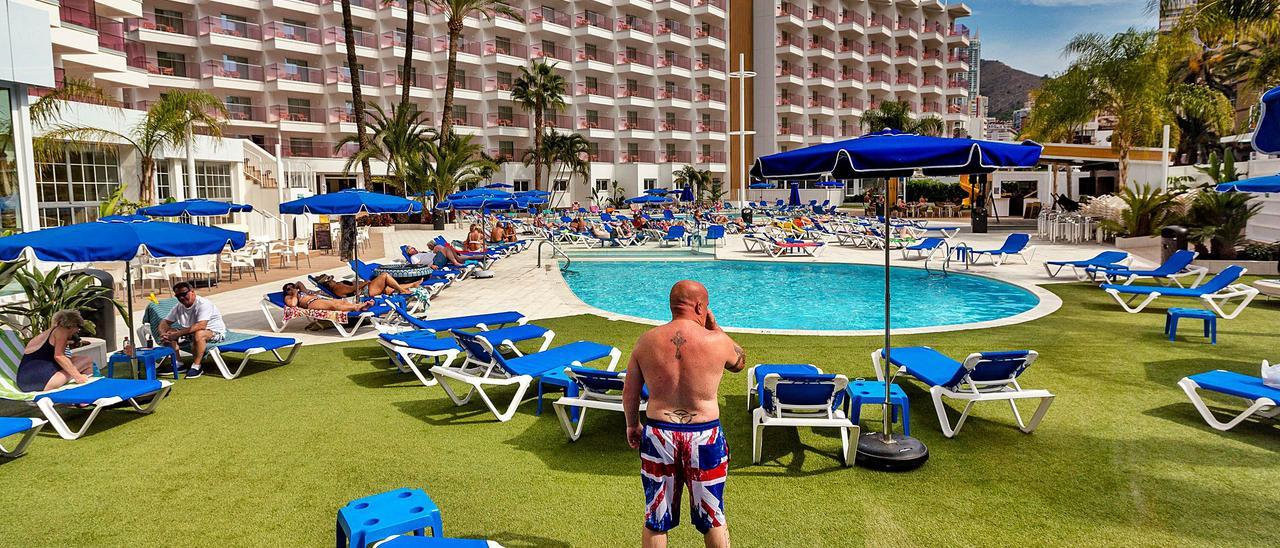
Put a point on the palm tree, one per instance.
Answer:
(571, 152)
(1228, 45)
(699, 179)
(1202, 114)
(896, 115)
(348, 222)
(406, 71)
(456, 12)
(396, 138)
(447, 164)
(1124, 75)
(167, 123)
(539, 89)
(191, 108)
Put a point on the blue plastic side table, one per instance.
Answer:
(1210, 322)
(862, 393)
(148, 357)
(557, 379)
(375, 517)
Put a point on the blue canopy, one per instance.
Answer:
(686, 194)
(118, 238)
(498, 185)
(352, 201)
(1266, 139)
(829, 184)
(760, 185)
(1259, 185)
(891, 153)
(649, 199)
(195, 207)
(480, 193)
(533, 193)
(480, 203)
(794, 198)
(657, 191)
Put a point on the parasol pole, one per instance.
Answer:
(886, 407)
(128, 283)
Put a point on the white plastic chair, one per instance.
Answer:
(238, 261)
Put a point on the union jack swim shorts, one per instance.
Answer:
(673, 456)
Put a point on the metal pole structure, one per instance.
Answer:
(280, 191)
(191, 166)
(133, 352)
(887, 425)
(1164, 158)
(742, 74)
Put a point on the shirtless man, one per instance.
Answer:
(681, 444)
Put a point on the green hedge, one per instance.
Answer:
(934, 191)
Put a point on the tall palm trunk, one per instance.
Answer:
(455, 34)
(348, 222)
(537, 147)
(148, 166)
(408, 55)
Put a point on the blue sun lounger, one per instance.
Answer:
(1170, 273)
(1015, 245)
(98, 394)
(1214, 294)
(483, 322)
(924, 248)
(485, 367)
(1264, 401)
(405, 348)
(982, 376)
(1104, 260)
(798, 395)
(597, 389)
(355, 319)
(10, 426)
(675, 234)
(234, 342)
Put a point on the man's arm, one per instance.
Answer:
(197, 327)
(631, 388)
(738, 359)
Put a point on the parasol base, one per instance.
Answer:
(902, 454)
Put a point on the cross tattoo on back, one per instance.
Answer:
(679, 341)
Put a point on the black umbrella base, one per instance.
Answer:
(902, 454)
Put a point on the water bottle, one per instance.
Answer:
(151, 341)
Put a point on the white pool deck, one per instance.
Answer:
(518, 284)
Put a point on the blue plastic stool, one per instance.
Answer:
(557, 379)
(862, 393)
(148, 357)
(376, 517)
(1175, 314)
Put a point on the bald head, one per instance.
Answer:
(689, 298)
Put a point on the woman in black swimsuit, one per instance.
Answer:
(296, 294)
(45, 364)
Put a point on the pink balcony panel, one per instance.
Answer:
(603, 155)
(246, 113)
(819, 13)
(541, 51)
(507, 120)
(851, 103)
(709, 32)
(822, 43)
(231, 69)
(710, 63)
(676, 157)
(545, 14)
(342, 75)
(853, 46)
(714, 126)
(79, 12)
(111, 34)
(638, 156)
(643, 92)
(701, 3)
(592, 19)
(393, 78)
(506, 48)
(880, 49)
(441, 44)
(853, 17)
(397, 39)
(599, 122)
(906, 79)
(821, 102)
(675, 60)
(470, 119)
(713, 157)
(558, 121)
(582, 88)
(184, 69)
(173, 25)
(683, 94)
(493, 84)
(677, 124)
(821, 72)
(787, 8)
(294, 73)
(636, 124)
(674, 27)
(822, 130)
(286, 31)
(635, 57)
(335, 35)
(285, 113)
(469, 83)
(228, 27)
(602, 55)
(633, 23)
(512, 155)
(710, 95)
(853, 75)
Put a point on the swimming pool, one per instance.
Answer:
(792, 296)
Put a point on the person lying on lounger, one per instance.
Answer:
(296, 294)
(475, 239)
(382, 284)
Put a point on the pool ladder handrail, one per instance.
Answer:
(554, 248)
(946, 260)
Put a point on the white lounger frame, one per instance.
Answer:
(477, 375)
(587, 399)
(221, 363)
(1081, 273)
(404, 356)
(999, 258)
(60, 424)
(813, 416)
(30, 434)
(1262, 407)
(1173, 279)
(268, 309)
(973, 392)
(1214, 301)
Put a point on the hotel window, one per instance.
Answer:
(671, 151)
(633, 149)
(633, 117)
(213, 181)
(633, 22)
(413, 75)
(460, 114)
(593, 151)
(671, 117)
(234, 25)
(505, 80)
(706, 119)
(237, 66)
(301, 146)
(706, 152)
(706, 89)
(706, 28)
(593, 118)
(460, 76)
(507, 151)
(172, 64)
(670, 56)
(521, 185)
(590, 51)
(505, 113)
(602, 185)
(670, 87)
(71, 185)
(650, 184)
(593, 84)
(294, 29)
(502, 45)
(706, 59)
(170, 21)
(632, 84)
(300, 110)
(549, 48)
(239, 108)
(161, 178)
(560, 185)
(296, 69)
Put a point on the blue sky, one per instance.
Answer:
(1029, 34)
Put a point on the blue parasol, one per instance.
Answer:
(1260, 185)
(657, 191)
(891, 153)
(794, 198)
(498, 185)
(649, 199)
(352, 201)
(1266, 139)
(195, 207)
(686, 194)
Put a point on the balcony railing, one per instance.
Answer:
(675, 124)
(851, 103)
(168, 67)
(958, 83)
(931, 54)
(638, 157)
(246, 113)
(701, 3)
(676, 157)
(601, 155)
(878, 20)
(853, 75)
(511, 49)
(683, 94)
(779, 70)
(366, 4)
(643, 92)
(820, 72)
(822, 43)
(906, 79)
(675, 60)
(633, 23)
(288, 31)
(709, 32)
(294, 73)
(419, 7)
(441, 45)
(173, 25)
(507, 120)
(713, 157)
(592, 19)
(667, 3)
(710, 95)
(597, 122)
(510, 155)
(932, 107)
(958, 30)
(781, 41)
(709, 64)
(232, 69)
(934, 26)
(822, 130)
(298, 148)
(111, 34)
(906, 51)
(541, 51)
(79, 12)
(711, 126)
(336, 35)
(347, 116)
(879, 77)
(633, 124)
(635, 57)
(782, 101)
(880, 49)
(853, 17)
(821, 102)
(342, 75)
(908, 24)
(853, 46)
(932, 81)
(469, 83)
(958, 58)
(469, 119)
(286, 113)
(602, 55)
(582, 88)
(786, 8)
(393, 78)
(230, 27)
(787, 130)
(819, 13)
(396, 39)
(558, 121)
(674, 27)
(545, 14)
(492, 83)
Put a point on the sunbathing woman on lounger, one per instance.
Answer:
(296, 294)
(383, 284)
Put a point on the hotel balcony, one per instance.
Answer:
(469, 123)
(559, 121)
(596, 60)
(788, 104)
(594, 94)
(906, 83)
(506, 53)
(545, 20)
(593, 24)
(713, 98)
(713, 157)
(824, 46)
(497, 90)
(821, 77)
(879, 54)
(790, 134)
(466, 88)
(854, 77)
(906, 56)
(399, 12)
(636, 61)
(932, 108)
(297, 38)
(957, 86)
(508, 156)
(933, 32)
(673, 32)
(167, 68)
(790, 14)
(790, 46)
(241, 114)
(708, 67)
(507, 125)
(596, 127)
(675, 128)
(360, 9)
(420, 85)
(907, 29)
(820, 17)
(851, 50)
(550, 53)
(308, 7)
(788, 75)
(501, 21)
(169, 31)
(395, 40)
(298, 119)
(637, 157)
(824, 133)
(684, 7)
(852, 21)
(335, 43)
(709, 36)
(636, 96)
(958, 34)
(675, 157)
(217, 33)
(823, 105)
(714, 8)
(932, 58)
(958, 61)
(878, 81)
(633, 29)
(855, 105)
(233, 75)
(340, 78)
(674, 65)
(294, 79)
(603, 155)
(346, 119)
(880, 25)
(932, 85)
(711, 129)
(292, 147)
(676, 97)
(468, 51)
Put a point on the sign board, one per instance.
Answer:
(321, 237)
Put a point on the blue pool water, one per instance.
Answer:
(773, 295)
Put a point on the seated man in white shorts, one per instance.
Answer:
(194, 319)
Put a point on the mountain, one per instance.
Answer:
(1006, 88)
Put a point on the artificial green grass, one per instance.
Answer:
(267, 459)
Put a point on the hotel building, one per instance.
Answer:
(648, 84)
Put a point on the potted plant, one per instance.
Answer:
(49, 292)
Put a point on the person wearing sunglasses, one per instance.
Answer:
(194, 320)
